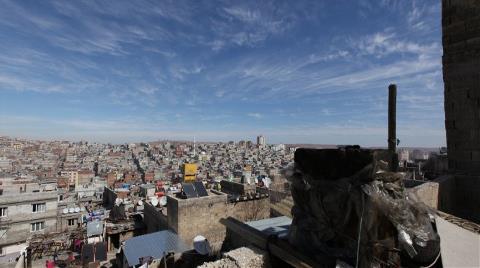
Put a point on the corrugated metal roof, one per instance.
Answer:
(154, 244)
(278, 225)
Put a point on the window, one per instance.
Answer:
(3, 212)
(71, 222)
(3, 233)
(39, 207)
(38, 226)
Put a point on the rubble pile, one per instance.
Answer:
(347, 205)
(243, 257)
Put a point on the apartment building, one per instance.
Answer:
(25, 210)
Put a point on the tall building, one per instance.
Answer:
(461, 62)
(403, 155)
(261, 140)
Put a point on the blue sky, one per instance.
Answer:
(294, 71)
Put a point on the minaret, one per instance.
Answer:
(194, 146)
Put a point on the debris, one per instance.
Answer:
(243, 257)
(347, 205)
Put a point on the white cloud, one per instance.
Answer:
(385, 43)
(245, 15)
(255, 115)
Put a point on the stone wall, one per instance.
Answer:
(201, 216)
(250, 210)
(461, 75)
(198, 216)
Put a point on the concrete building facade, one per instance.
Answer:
(22, 215)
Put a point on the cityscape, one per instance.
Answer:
(220, 134)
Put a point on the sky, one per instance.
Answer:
(294, 71)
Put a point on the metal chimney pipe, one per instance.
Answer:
(392, 126)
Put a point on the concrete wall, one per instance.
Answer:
(109, 197)
(461, 65)
(154, 219)
(427, 192)
(20, 216)
(62, 221)
(467, 197)
(447, 194)
(237, 188)
(459, 195)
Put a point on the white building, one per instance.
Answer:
(261, 140)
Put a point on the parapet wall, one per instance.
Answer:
(237, 188)
(459, 195)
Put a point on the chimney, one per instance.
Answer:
(392, 126)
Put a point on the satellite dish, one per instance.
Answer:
(267, 181)
(140, 202)
(65, 210)
(71, 210)
(201, 245)
(163, 201)
(77, 209)
(154, 201)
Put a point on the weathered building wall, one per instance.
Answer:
(250, 210)
(446, 194)
(154, 219)
(20, 216)
(461, 75)
(198, 216)
(63, 220)
(459, 195)
(467, 197)
(201, 216)
(109, 197)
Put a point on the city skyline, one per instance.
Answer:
(303, 72)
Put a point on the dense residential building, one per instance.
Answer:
(26, 208)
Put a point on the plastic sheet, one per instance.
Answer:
(347, 206)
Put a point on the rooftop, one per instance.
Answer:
(154, 245)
